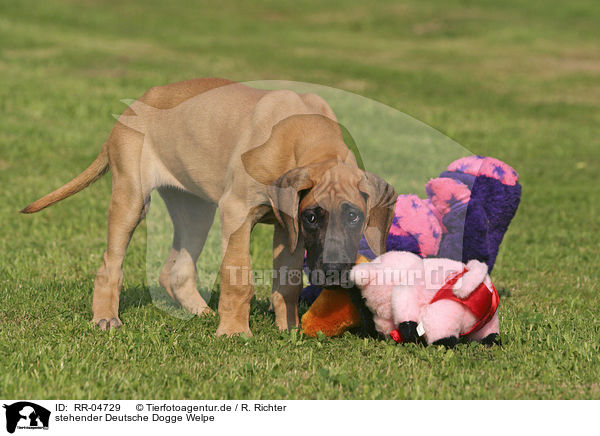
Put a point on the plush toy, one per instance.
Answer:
(466, 213)
(333, 312)
(465, 216)
(435, 299)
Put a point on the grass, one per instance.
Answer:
(514, 80)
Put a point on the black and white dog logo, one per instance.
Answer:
(26, 415)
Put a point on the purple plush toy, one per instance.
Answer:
(465, 216)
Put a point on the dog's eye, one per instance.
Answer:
(310, 218)
(353, 218)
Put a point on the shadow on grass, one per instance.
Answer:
(503, 292)
(134, 297)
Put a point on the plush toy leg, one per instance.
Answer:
(449, 342)
(489, 334)
(492, 339)
(408, 331)
(444, 320)
(471, 280)
(332, 314)
(405, 304)
(405, 310)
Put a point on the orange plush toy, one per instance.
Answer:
(332, 313)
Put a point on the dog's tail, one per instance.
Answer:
(92, 173)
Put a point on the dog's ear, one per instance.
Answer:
(284, 195)
(381, 199)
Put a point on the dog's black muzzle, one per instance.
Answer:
(332, 276)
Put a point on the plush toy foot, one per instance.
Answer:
(408, 331)
(332, 313)
(492, 339)
(449, 342)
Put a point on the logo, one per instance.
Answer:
(26, 415)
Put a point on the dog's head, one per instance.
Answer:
(329, 206)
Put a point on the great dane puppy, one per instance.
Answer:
(258, 156)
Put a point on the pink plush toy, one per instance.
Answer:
(434, 299)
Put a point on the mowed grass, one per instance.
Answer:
(519, 81)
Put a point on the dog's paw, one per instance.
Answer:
(107, 324)
(232, 331)
(449, 342)
(204, 310)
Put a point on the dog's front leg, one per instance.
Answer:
(287, 279)
(236, 274)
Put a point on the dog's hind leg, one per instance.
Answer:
(125, 212)
(164, 278)
(192, 218)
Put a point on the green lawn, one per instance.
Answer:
(519, 81)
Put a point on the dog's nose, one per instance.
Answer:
(335, 253)
(336, 267)
(335, 257)
(331, 275)
(337, 274)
